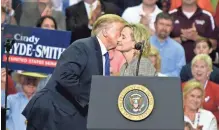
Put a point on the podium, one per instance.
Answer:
(164, 110)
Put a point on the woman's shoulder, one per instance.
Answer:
(206, 113)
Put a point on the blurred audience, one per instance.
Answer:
(172, 53)
(6, 17)
(154, 57)
(81, 16)
(201, 47)
(201, 70)
(191, 23)
(32, 11)
(130, 35)
(144, 13)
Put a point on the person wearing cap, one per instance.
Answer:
(17, 102)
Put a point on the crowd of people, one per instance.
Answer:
(179, 40)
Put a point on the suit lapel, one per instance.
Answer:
(98, 55)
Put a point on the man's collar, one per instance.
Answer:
(102, 47)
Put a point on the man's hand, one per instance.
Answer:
(145, 20)
(96, 13)
(47, 11)
(199, 127)
(189, 34)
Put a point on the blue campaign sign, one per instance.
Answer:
(35, 49)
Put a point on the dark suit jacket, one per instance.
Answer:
(63, 103)
(123, 4)
(17, 6)
(186, 74)
(77, 19)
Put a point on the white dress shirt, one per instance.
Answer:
(87, 6)
(132, 15)
(103, 52)
(205, 118)
(58, 4)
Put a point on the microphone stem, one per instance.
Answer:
(138, 63)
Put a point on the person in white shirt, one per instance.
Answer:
(193, 96)
(144, 13)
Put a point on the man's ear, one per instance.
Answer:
(104, 32)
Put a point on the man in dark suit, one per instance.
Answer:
(63, 103)
(79, 17)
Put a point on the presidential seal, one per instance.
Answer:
(135, 102)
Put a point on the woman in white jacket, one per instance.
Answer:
(193, 96)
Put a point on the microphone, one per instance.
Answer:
(139, 45)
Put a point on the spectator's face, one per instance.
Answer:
(202, 48)
(163, 28)
(189, 2)
(48, 24)
(29, 85)
(200, 70)
(125, 41)
(112, 33)
(149, 2)
(153, 59)
(193, 99)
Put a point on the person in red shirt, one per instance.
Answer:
(201, 69)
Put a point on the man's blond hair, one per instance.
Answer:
(105, 20)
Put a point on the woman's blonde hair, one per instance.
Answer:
(192, 85)
(139, 34)
(204, 57)
(104, 21)
(154, 52)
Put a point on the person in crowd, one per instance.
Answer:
(12, 8)
(46, 22)
(7, 18)
(194, 114)
(63, 103)
(131, 35)
(172, 53)
(203, 46)
(11, 87)
(81, 16)
(17, 102)
(191, 24)
(144, 13)
(154, 57)
(209, 5)
(201, 70)
(32, 11)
